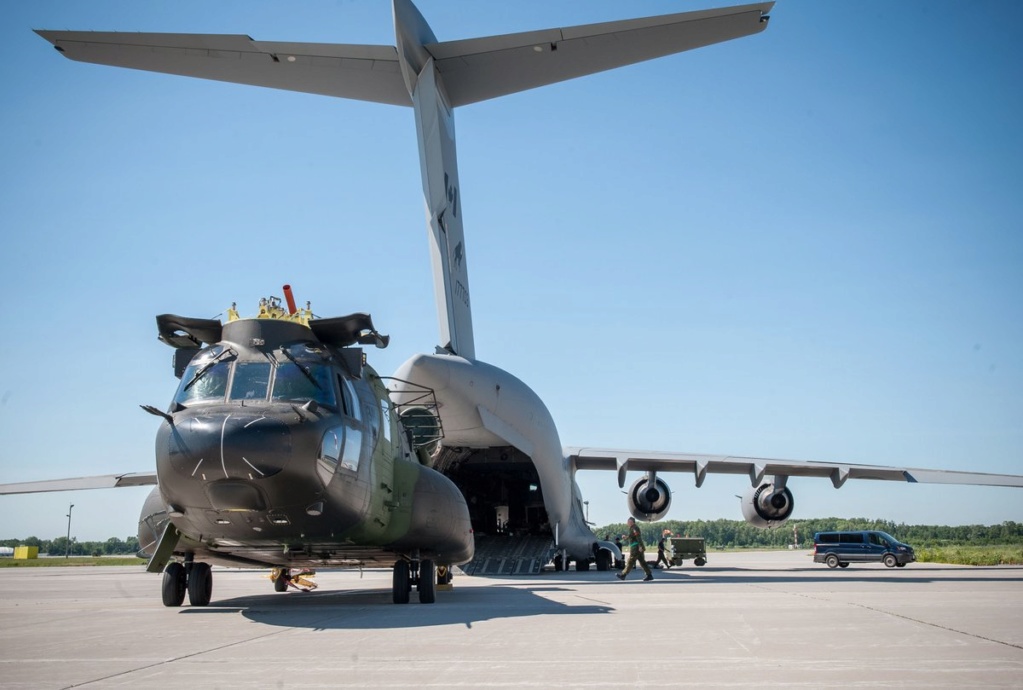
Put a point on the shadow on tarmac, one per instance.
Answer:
(374, 610)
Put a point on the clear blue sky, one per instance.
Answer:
(804, 244)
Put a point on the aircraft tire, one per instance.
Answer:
(173, 587)
(427, 582)
(581, 566)
(603, 560)
(200, 584)
(400, 583)
(281, 582)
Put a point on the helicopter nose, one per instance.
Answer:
(229, 446)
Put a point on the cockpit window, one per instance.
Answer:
(205, 378)
(251, 381)
(303, 381)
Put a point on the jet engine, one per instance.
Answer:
(768, 505)
(649, 498)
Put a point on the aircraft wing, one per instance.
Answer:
(481, 68)
(757, 468)
(473, 69)
(106, 481)
(362, 72)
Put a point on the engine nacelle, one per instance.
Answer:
(766, 506)
(649, 498)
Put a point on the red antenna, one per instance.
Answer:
(290, 298)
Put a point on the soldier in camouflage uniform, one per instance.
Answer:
(637, 552)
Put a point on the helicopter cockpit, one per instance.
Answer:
(296, 373)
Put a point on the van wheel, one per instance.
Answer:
(831, 560)
(900, 565)
(843, 565)
(889, 560)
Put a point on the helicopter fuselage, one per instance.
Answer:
(280, 449)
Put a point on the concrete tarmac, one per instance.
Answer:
(765, 619)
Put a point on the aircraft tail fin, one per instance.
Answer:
(433, 77)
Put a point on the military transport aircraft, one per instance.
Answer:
(283, 448)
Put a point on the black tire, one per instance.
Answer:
(281, 582)
(427, 582)
(400, 583)
(582, 566)
(900, 565)
(699, 562)
(443, 574)
(603, 560)
(831, 560)
(843, 564)
(174, 584)
(889, 560)
(200, 584)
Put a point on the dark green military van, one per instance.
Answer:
(839, 549)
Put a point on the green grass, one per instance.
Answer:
(76, 561)
(972, 555)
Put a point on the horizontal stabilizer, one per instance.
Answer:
(473, 69)
(481, 68)
(106, 481)
(366, 73)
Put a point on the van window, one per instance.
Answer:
(851, 538)
(829, 538)
(877, 539)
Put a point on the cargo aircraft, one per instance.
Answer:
(283, 448)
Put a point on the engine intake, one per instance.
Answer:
(767, 506)
(649, 498)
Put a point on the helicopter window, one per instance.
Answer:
(251, 381)
(352, 397)
(353, 449)
(346, 403)
(205, 379)
(308, 382)
(385, 410)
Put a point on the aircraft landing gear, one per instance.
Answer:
(422, 574)
(192, 577)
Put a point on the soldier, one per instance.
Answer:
(661, 548)
(636, 552)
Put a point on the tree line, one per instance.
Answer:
(59, 546)
(739, 534)
(719, 534)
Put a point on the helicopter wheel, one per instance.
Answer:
(200, 584)
(174, 584)
(400, 582)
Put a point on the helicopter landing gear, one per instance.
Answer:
(421, 574)
(192, 577)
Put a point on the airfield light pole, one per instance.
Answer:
(67, 547)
